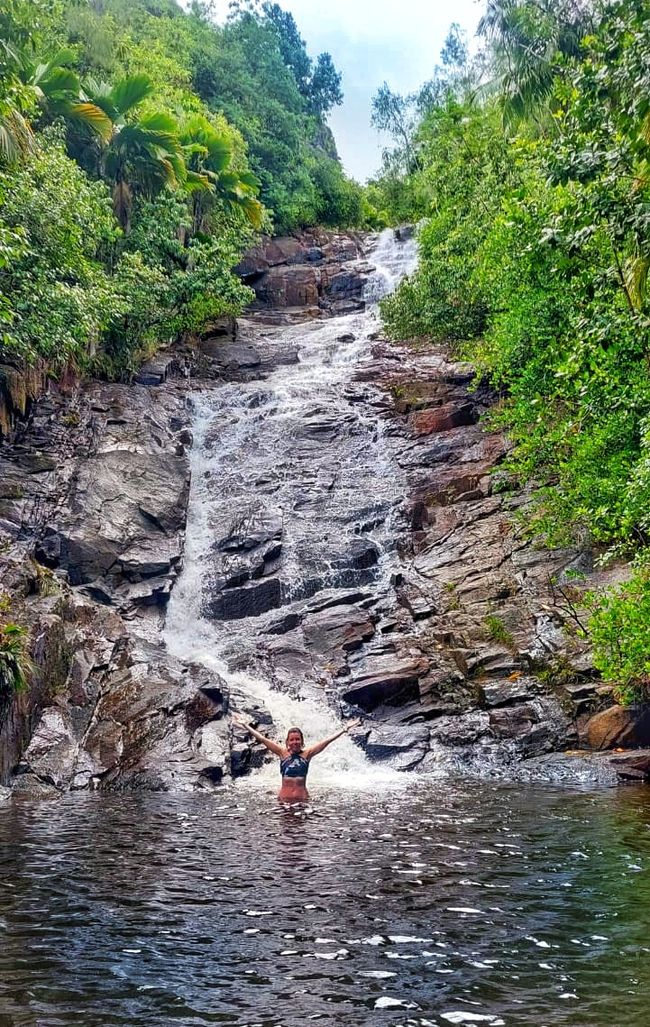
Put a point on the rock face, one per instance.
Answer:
(92, 518)
(465, 660)
(319, 270)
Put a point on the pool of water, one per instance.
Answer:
(436, 904)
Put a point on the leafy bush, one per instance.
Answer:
(619, 631)
(54, 286)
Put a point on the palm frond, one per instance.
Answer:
(197, 182)
(130, 91)
(635, 274)
(16, 136)
(93, 116)
(160, 123)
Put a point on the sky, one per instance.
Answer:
(375, 41)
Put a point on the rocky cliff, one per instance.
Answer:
(464, 662)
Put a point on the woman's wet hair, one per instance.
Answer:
(296, 729)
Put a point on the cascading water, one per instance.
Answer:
(266, 452)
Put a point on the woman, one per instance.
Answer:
(294, 758)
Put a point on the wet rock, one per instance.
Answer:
(388, 679)
(632, 766)
(404, 746)
(250, 600)
(284, 624)
(343, 284)
(289, 286)
(231, 356)
(284, 250)
(442, 419)
(124, 506)
(505, 693)
(466, 729)
(253, 526)
(28, 786)
(148, 729)
(155, 371)
(240, 759)
(52, 751)
(339, 629)
(405, 232)
(363, 554)
(5, 795)
(212, 743)
(619, 727)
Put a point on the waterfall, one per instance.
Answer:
(258, 445)
(393, 259)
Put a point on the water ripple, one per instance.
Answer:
(459, 905)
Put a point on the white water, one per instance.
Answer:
(246, 436)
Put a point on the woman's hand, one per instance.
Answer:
(353, 723)
(239, 721)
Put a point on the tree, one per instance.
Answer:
(208, 154)
(325, 87)
(527, 40)
(292, 45)
(57, 89)
(454, 53)
(396, 115)
(143, 153)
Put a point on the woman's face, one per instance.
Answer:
(294, 741)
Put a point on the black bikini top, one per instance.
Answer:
(294, 766)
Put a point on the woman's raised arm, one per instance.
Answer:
(279, 750)
(313, 750)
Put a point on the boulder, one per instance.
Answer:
(388, 679)
(443, 418)
(231, 356)
(337, 629)
(404, 746)
(294, 286)
(125, 506)
(155, 371)
(624, 727)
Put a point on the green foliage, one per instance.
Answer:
(126, 199)
(339, 200)
(619, 629)
(535, 254)
(496, 630)
(15, 664)
(466, 164)
(53, 285)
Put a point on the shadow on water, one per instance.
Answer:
(445, 904)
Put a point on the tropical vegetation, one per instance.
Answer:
(141, 149)
(15, 662)
(530, 167)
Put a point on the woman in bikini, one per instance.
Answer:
(294, 757)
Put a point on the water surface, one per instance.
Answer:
(437, 904)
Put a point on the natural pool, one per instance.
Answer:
(442, 903)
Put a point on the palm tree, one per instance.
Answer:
(208, 156)
(142, 153)
(527, 38)
(16, 136)
(56, 88)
